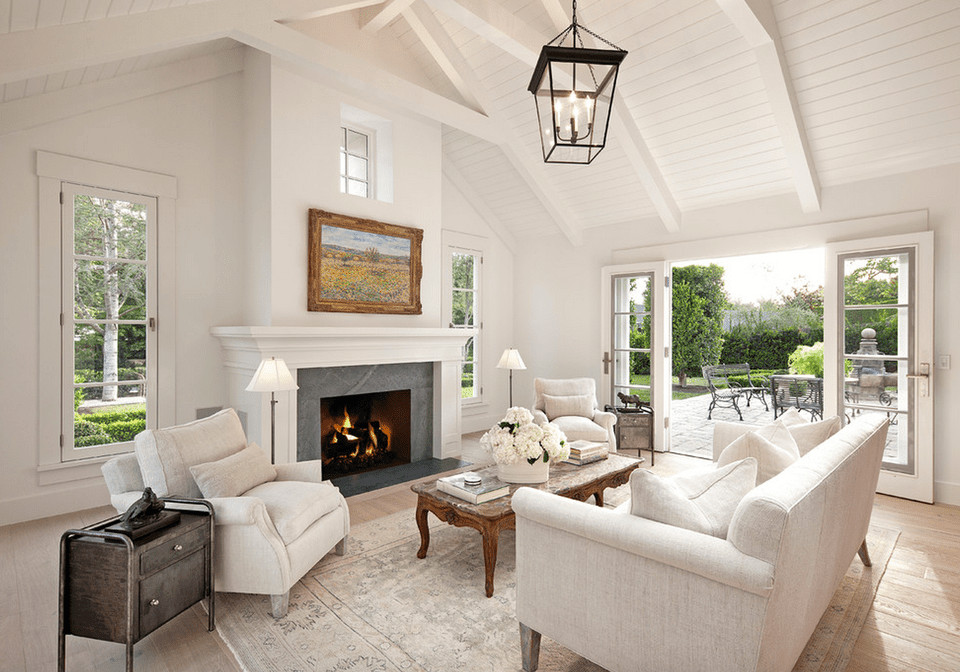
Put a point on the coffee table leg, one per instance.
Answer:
(490, 540)
(598, 495)
(424, 529)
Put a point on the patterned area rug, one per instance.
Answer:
(380, 609)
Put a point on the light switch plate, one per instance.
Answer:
(943, 361)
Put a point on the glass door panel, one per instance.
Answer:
(631, 330)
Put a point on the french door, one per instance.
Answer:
(878, 331)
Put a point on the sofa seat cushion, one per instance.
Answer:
(772, 446)
(166, 455)
(702, 500)
(234, 474)
(293, 506)
(578, 428)
(575, 404)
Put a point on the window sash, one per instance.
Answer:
(470, 364)
(349, 183)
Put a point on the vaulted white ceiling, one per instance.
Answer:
(718, 100)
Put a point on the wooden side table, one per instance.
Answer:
(117, 589)
(635, 432)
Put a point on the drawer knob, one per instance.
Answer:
(154, 602)
(178, 547)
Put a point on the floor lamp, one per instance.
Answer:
(272, 376)
(510, 359)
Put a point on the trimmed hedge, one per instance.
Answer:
(766, 349)
(124, 430)
(110, 417)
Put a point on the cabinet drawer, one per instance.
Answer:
(173, 589)
(634, 419)
(635, 437)
(172, 550)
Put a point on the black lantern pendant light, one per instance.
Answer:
(573, 88)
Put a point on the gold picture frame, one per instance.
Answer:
(363, 266)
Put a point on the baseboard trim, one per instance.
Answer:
(54, 503)
(945, 492)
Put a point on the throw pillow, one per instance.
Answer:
(699, 500)
(809, 435)
(773, 447)
(575, 404)
(235, 474)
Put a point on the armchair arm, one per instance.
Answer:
(539, 417)
(604, 418)
(710, 557)
(122, 500)
(308, 471)
(240, 511)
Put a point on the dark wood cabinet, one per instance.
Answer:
(117, 589)
(635, 432)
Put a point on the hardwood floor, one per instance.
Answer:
(914, 623)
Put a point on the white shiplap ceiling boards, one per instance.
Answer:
(720, 100)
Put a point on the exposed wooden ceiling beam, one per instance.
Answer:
(477, 203)
(375, 18)
(758, 25)
(449, 58)
(286, 11)
(500, 27)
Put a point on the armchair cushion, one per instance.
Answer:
(699, 500)
(578, 428)
(773, 447)
(293, 506)
(574, 404)
(234, 474)
(166, 455)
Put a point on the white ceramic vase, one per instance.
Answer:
(524, 472)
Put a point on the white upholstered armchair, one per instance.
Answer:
(281, 521)
(571, 404)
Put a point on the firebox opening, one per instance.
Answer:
(363, 432)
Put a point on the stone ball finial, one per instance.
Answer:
(868, 333)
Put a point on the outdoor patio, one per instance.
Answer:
(692, 432)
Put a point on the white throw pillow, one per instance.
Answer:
(235, 474)
(809, 435)
(773, 447)
(699, 500)
(575, 404)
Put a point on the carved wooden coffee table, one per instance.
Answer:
(491, 517)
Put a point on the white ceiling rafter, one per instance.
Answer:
(508, 32)
(287, 11)
(442, 48)
(373, 19)
(479, 204)
(758, 25)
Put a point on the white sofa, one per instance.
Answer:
(653, 597)
(265, 539)
(571, 404)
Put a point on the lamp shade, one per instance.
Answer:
(510, 359)
(272, 376)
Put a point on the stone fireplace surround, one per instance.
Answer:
(319, 347)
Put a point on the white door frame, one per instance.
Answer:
(918, 485)
(660, 394)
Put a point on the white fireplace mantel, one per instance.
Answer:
(314, 347)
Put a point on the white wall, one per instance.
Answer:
(194, 134)
(558, 286)
(496, 309)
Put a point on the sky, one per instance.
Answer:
(761, 277)
(361, 240)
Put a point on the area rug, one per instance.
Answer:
(380, 609)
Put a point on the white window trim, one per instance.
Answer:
(52, 171)
(371, 158)
(465, 243)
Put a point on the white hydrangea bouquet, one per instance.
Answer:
(518, 443)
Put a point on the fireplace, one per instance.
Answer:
(362, 432)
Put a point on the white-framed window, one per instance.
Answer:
(357, 161)
(104, 294)
(465, 267)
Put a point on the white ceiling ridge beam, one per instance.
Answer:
(441, 48)
(756, 22)
(19, 115)
(361, 78)
(478, 204)
(631, 140)
(286, 11)
(373, 20)
(451, 61)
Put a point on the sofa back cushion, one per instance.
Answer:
(166, 455)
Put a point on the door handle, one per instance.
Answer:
(606, 363)
(924, 379)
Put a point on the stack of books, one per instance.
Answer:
(472, 487)
(585, 452)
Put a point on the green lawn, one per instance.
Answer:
(641, 379)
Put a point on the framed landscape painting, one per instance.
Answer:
(363, 266)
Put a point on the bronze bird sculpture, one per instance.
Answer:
(144, 510)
